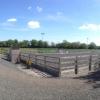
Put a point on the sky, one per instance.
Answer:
(71, 20)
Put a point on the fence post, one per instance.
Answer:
(29, 62)
(59, 69)
(76, 65)
(18, 59)
(90, 62)
(99, 61)
(1, 53)
(35, 59)
(44, 63)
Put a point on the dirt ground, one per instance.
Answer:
(19, 84)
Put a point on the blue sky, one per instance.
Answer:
(71, 20)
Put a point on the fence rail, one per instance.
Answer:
(55, 65)
(45, 63)
(82, 60)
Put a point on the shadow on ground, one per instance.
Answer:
(92, 78)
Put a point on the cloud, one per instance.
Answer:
(39, 9)
(12, 20)
(56, 16)
(59, 16)
(33, 24)
(90, 27)
(29, 8)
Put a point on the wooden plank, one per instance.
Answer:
(76, 65)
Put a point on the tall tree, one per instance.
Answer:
(24, 44)
(40, 44)
(83, 46)
(92, 45)
(34, 43)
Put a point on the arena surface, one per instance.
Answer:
(18, 85)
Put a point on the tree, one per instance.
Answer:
(92, 45)
(53, 45)
(34, 43)
(40, 44)
(83, 46)
(10, 42)
(45, 44)
(59, 45)
(2, 44)
(75, 45)
(15, 44)
(65, 44)
(24, 44)
(98, 47)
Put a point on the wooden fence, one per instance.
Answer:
(76, 62)
(56, 65)
(48, 64)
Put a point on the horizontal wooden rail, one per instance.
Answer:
(56, 63)
(65, 62)
(47, 63)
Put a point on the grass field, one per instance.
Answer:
(56, 50)
(3, 50)
(49, 50)
(40, 50)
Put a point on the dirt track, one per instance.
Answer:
(16, 85)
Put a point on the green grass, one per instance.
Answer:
(55, 50)
(48, 50)
(3, 50)
(39, 50)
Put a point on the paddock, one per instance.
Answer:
(57, 63)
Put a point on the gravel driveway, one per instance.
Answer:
(17, 85)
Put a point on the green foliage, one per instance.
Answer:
(34, 43)
(24, 44)
(75, 45)
(44, 44)
(92, 46)
(83, 46)
(53, 45)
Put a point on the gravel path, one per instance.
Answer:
(17, 85)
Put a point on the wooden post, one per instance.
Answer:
(35, 59)
(90, 62)
(29, 62)
(0, 53)
(59, 69)
(76, 65)
(99, 61)
(18, 59)
(44, 63)
(0, 50)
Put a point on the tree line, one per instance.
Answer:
(44, 44)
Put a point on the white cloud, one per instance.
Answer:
(39, 9)
(33, 24)
(12, 20)
(90, 27)
(59, 16)
(29, 8)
